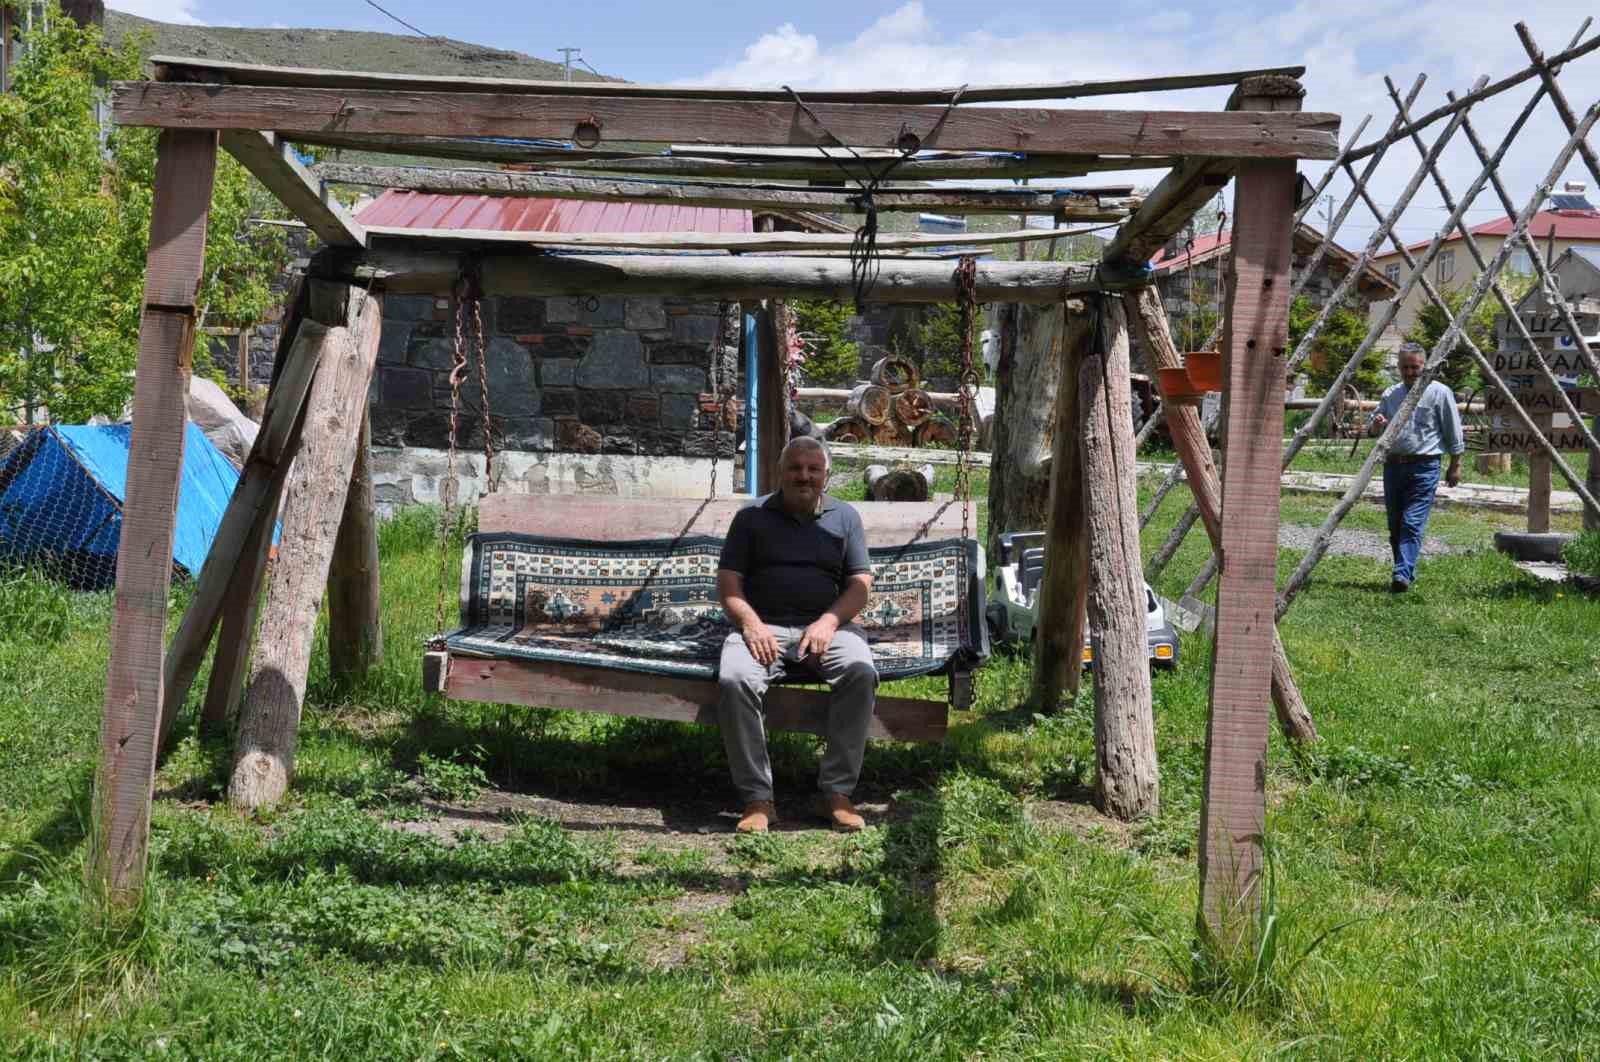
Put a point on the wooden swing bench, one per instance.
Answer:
(466, 675)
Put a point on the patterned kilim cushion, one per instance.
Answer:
(652, 605)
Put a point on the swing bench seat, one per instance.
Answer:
(609, 605)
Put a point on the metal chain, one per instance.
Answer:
(717, 399)
(483, 386)
(966, 278)
(458, 370)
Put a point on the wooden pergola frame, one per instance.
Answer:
(1256, 139)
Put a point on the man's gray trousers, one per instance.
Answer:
(847, 669)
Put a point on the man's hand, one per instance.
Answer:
(1379, 422)
(761, 642)
(819, 635)
(1452, 474)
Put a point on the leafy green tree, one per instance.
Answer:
(1335, 345)
(1459, 372)
(833, 359)
(75, 207)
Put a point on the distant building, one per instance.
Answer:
(1570, 221)
(1190, 279)
(1576, 273)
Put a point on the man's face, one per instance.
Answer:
(1410, 368)
(805, 473)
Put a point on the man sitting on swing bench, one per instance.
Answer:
(793, 574)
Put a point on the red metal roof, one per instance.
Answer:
(1203, 244)
(1569, 225)
(422, 210)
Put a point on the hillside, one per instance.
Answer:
(336, 50)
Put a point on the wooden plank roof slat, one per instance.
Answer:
(1225, 134)
(179, 68)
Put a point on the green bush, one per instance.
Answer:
(1583, 554)
(1336, 343)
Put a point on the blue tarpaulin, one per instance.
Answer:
(61, 495)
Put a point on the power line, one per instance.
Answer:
(400, 20)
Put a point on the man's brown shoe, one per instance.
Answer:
(758, 816)
(838, 810)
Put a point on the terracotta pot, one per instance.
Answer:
(1177, 388)
(1205, 369)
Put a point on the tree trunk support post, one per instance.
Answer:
(129, 729)
(1127, 781)
(1058, 641)
(773, 394)
(1233, 806)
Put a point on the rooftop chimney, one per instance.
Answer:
(1574, 187)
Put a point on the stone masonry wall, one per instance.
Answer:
(594, 375)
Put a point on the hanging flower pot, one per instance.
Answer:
(1177, 388)
(1205, 369)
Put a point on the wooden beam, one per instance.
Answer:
(774, 392)
(181, 68)
(1062, 337)
(1200, 472)
(185, 170)
(737, 242)
(273, 163)
(1194, 181)
(1127, 780)
(1255, 338)
(1071, 205)
(224, 576)
(587, 118)
(355, 612)
(418, 269)
(770, 164)
(542, 684)
(240, 608)
(269, 716)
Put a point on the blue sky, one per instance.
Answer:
(1347, 47)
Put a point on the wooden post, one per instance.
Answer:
(1233, 804)
(774, 391)
(1539, 469)
(1591, 519)
(269, 717)
(1127, 781)
(1194, 452)
(355, 614)
(244, 364)
(1058, 641)
(185, 168)
(240, 608)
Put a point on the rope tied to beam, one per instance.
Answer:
(865, 262)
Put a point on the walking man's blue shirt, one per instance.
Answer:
(1435, 425)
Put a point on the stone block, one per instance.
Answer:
(615, 359)
(619, 443)
(406, 388)
(643, 407)
(645, 313)
(433, 431)
(388, 426)
(395, 342)
(560, 402)
(577, 438)
(602, 407)
(437, 355)
(408, 307)
(602, 311)
(679, 411)
(528, 433)
(519, 313)
(679, 353)
(561, 345)
(557, 372)
(678, 378)
(513, 383)
(695, 328)
(562, 309)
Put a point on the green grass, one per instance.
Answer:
(1437, 861)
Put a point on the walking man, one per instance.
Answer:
(1411, 470)
(793, 574)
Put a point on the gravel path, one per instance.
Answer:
(1355, 543)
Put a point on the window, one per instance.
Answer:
(1447, 265)
(1520, 262)
(1392, 274)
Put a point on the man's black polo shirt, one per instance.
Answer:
(793, 568)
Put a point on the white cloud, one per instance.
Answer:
(1347, 49)
(179, 11)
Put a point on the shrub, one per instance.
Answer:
(833, 358)
(1583, 554)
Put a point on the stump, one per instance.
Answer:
(870, 403)
(912, 407)
(848, 430)
(900, 484)
(937, 430)
(895, 374)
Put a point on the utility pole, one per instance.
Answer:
(1327, 212)
(567, 54)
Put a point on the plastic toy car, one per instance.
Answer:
(1012, 610)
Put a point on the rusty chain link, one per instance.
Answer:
(966, 278)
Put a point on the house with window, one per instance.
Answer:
(1568, 221)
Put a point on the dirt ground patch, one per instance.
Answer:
(1079, 819)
